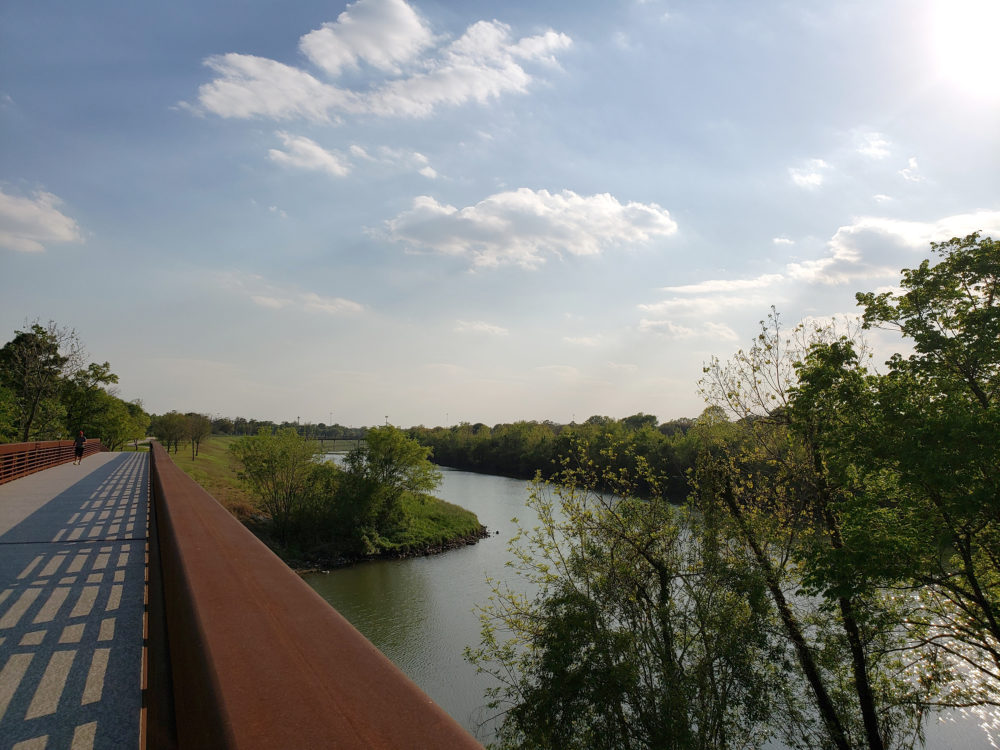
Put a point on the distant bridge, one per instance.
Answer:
(136, 612)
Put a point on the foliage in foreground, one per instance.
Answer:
(835, 575)
(644, 630)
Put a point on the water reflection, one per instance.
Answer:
(420, 612)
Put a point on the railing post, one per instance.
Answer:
(20, 459)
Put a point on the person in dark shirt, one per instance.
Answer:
(78, 448)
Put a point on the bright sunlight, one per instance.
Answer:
(964, 44)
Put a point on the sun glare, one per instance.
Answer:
(964, 44)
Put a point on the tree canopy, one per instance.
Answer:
(47, 393)
(837, 577)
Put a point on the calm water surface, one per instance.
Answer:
(420, 612)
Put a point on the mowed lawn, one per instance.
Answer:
(214, 470)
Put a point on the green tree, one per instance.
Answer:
(84, 395)
(199, 427)
(934, 452)
(798, 517)
(951, 311)
(170, 429)
(377, 473)
(640, 420)
(32, 366)
(139, 422)
(8, 415)
(276, 469)
(640, 627)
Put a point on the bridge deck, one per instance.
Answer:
(73, 543)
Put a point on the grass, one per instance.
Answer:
(213, 470)
(434, 523)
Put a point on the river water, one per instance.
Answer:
(420, 611)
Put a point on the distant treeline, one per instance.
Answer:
(319, 431)
(523, 449)
(174, 428)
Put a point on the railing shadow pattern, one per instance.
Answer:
(72, 576)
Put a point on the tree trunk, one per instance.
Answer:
(859, 663)
(805, 658)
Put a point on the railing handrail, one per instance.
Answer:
(20, 459)
(251, 657)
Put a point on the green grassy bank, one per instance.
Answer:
(434, 525)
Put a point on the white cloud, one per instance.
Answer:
(706, 306)
(419, 71)
(726, 286)
(523, 226)
(720, 331)
(278, 211)
(382, 33)
(583, 340)
(481, 65)
(811, 175)
(251, 86)
(882, 198)
(401, 158)
(874, 247)
(333, 305)
(783, 241)
(873, 145)
(869, 251)
(670, 329)
(27, 225)
(270, 302)
(307, 154)
(479, 326)
(911, 172)
(666, 328)
(303, 153)
(275, 297)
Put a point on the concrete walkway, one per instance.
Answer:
(72, 589)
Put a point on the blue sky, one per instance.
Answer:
(439, 211)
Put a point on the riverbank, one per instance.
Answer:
(307, 567)
(433, 526)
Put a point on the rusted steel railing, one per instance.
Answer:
(243, 654)
(20, 459)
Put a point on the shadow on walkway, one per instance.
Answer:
(72, 577)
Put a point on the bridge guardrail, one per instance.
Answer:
(243, 654)
(21, 459)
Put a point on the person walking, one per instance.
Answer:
(78, 448)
